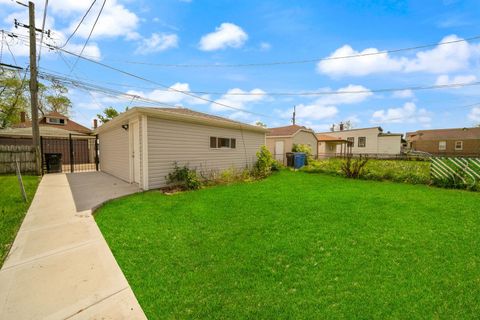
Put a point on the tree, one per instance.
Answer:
(54, 99)
(260, 124)
(347, 125)
(13, 98)
(108, 114)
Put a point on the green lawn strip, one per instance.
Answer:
(13, 208)
(300, 246)
(414, 172)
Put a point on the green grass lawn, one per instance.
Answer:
(408, 171)
(300, 246)
(13, 208)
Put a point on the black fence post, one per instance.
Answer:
(44, 165)
(96, 152)
(71, 152)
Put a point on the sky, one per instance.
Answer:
(202, 39)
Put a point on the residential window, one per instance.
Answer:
(362, 142)
(351, 140)
(442, 145)
(213, 142)
(55, 121)
(217, 142)
(458, 145)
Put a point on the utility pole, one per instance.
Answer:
(34, 86)
(294, 111)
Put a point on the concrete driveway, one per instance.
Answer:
(91, 189)
(60, 266)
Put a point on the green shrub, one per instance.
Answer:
(353, 168)
(414, 172)
(303, 148)
(184, 178)
(264, 163)
(277, 165)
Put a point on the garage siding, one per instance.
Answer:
(188, 143)
(113, 147)
(308, 138)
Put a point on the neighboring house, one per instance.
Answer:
(141, 145)
(280, 140)
(55, 130)
(329, 146)
(460, 141)
(367, 141)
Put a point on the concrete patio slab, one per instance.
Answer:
(91, 189)
(60, 266)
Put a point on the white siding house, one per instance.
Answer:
(369, 141)
(142, 144)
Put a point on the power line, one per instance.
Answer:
(304, 61)
(157, 83)
(89, 35)
(43, 28)
(303, 93)
(403, 118)
(79, 24)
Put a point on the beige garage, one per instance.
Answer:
(141, 145)
(280, 140)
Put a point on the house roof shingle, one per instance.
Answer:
(445, 134)
(69, 126)
(189, 112)
(180, 114)
(286, 131)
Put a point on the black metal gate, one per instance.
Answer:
(77, 153)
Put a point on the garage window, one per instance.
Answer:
(223, 143)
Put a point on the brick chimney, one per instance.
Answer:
(23, 117)
(95, 123)
(341, 126)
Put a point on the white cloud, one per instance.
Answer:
(358, 66)
(226, 35)
(91, 50)
(403, 94)
(325, 107)
(315, 111)
(474, 114)
(446, 80)
(21, 49)
(265, 46)
(238, 101)
(440, 59)
(171, 97)
(409, 113)
(157, 42)
(350, 94)
(115, 20)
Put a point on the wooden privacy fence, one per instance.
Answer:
(464, 170)
(9, 154)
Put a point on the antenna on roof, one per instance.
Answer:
(293, 118)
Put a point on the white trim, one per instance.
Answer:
(130, 148)
(144, 153)
(442, 145)
(461, 147)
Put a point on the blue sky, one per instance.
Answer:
(239, 32)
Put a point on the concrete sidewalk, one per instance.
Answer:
(60, 266)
